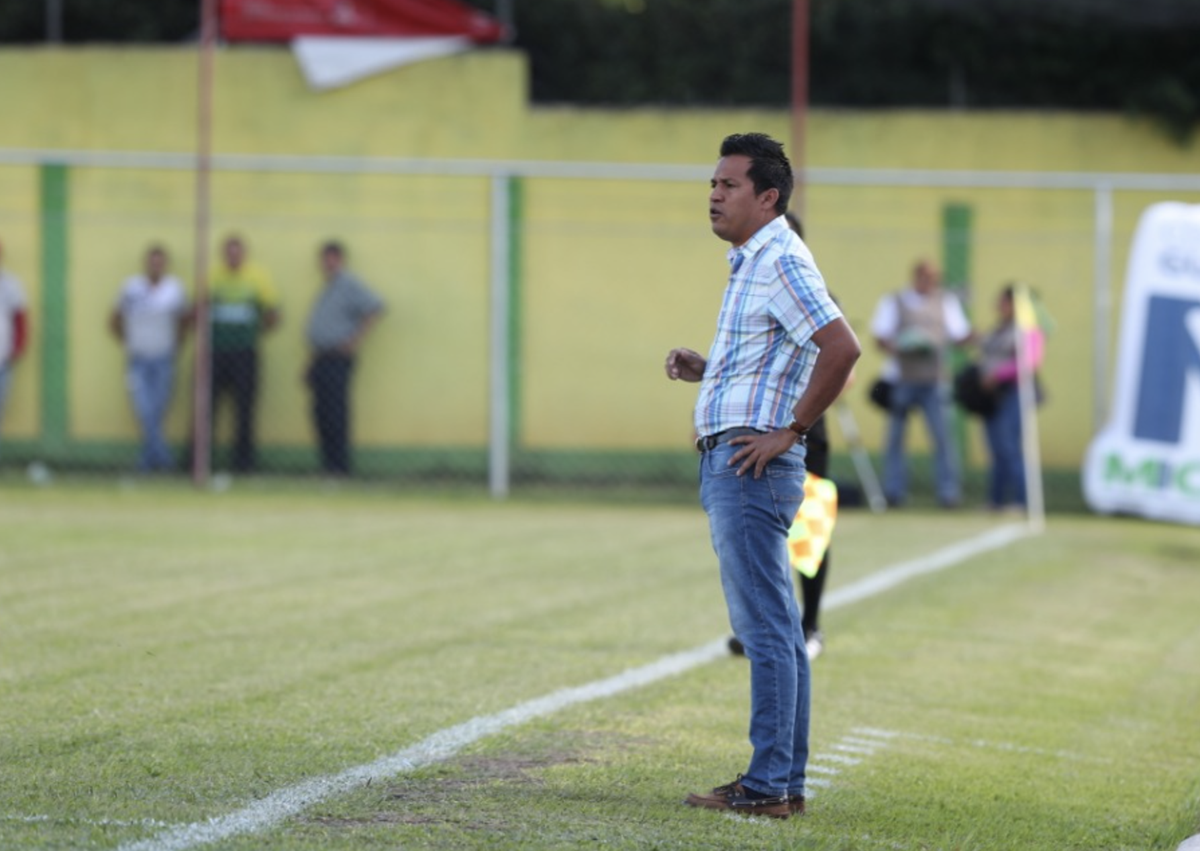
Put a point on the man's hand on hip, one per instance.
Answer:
(758, 449)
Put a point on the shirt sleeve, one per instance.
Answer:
(958, 327)
(268, 295)
(365, 301)
(179, 297)
(886, 319)
(803, 305)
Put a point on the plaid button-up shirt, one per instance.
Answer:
(762, 356)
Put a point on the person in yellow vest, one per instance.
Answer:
(244, 305)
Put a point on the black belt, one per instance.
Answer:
(712, 441)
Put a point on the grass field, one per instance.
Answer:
(168, 657)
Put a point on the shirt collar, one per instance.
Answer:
(761, 237)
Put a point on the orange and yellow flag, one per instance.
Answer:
(813, 527)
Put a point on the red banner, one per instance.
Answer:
(283, 20)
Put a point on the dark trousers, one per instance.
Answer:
(329, 380)
(235, 373)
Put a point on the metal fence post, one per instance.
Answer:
(499, 433)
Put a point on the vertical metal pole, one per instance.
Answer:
(498, 433)
(54, 21)
(799, 101)
(1102, 304)
(202, 378)
(861, 458)
(506, 14)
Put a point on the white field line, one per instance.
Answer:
(88, 822)
(890, 577)
(838, 759)
(818, 763)
(852, 748)
(985, 744)
(274, 808)
(817, 768)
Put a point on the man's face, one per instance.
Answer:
(925, 278)
(331, 263)
(735, 212)
(156, 265)
(235, 253)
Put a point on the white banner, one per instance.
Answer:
(329, 62)
(1146, 460)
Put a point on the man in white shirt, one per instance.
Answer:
(917, 327)
(14, 329)
(150, 318)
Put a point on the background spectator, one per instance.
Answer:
(244, 305)
(343, 312)
(1002, 426)
(917, 327)
(150, 318)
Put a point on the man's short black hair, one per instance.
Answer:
(334, 247)
(769, 166)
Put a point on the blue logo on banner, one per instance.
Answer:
(1171, 353)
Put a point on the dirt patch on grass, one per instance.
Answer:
(456, 792)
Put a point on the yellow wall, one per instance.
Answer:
(613, 272)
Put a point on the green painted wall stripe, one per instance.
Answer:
(53, 324)
(956, 273)
(516, 226)
(956, 246)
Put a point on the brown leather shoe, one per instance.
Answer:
(733, 797)
(796, 804)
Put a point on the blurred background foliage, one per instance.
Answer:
(1138, 58)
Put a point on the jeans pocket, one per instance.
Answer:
(785, 477)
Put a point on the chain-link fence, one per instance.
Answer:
(499, 324)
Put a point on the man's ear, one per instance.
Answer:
(769, 198)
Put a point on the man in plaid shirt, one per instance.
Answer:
(781, 356)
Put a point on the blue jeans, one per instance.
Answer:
(934, 401)
(1003, 430)
(749, 520)
(150, 382)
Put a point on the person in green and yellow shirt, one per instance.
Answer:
(244, 304)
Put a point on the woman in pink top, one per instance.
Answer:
(998, 369)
